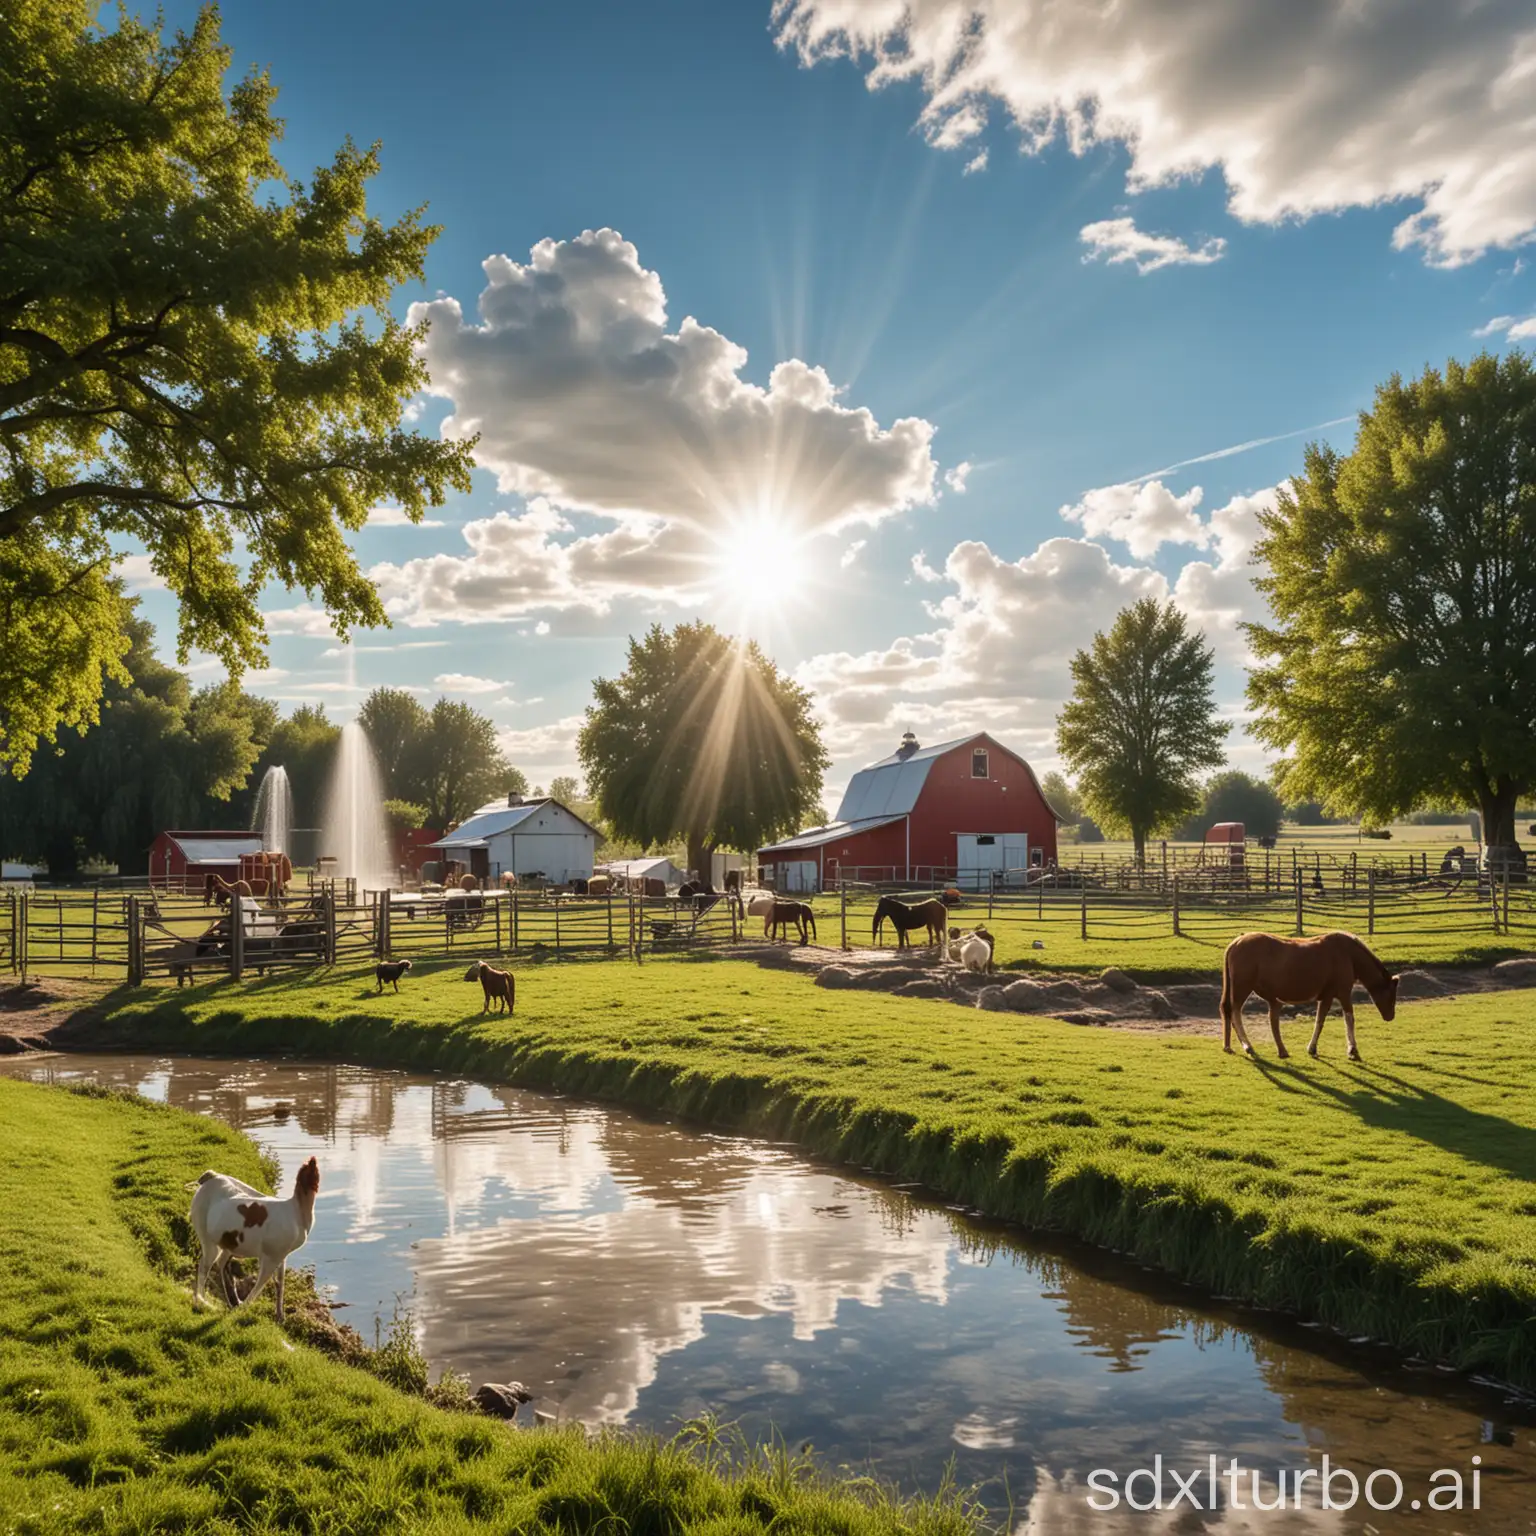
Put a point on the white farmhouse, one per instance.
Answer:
(525, 837)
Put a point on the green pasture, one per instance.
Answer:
(1395, 1198)
(122, 1410)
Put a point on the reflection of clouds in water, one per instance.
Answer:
(978, 1433)
(636, 1283)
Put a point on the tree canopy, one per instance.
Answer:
(1141, 725)
(188, 362)
(162, 756)
(1399, 664)
(445, 760)
(701, 738)
(1236, 796)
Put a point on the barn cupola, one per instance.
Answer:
(513, 800)
(908, 746)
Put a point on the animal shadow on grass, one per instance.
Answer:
(1391, 1103)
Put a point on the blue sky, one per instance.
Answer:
(1029, 333)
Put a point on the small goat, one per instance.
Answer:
(391, 970)
(500, 985)
(233, 1221)
(972, 950)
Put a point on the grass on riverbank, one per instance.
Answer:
(1393, 1198)
(123, 1410)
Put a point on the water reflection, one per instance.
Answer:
(629, 1271)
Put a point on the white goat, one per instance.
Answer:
(233, 1221)
(972, 950)
(759, 904)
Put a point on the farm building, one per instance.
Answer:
(183, 860)
(969, 811)
(524, 837)
(633, 873)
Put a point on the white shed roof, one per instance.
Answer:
(497, 817)
(655, 867)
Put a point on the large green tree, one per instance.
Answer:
(398, 728)
(1236, 796)
(197, 357)
(701, 738)
(459, 766)
(1399, 665)
(1141, 725)
(162, 755)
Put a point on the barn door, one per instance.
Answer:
(977, 855)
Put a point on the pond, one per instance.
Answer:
(631, 1271)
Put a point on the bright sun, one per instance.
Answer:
(760, 565)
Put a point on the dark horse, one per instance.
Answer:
(932, 915)
(1323, 970)
(792, 914)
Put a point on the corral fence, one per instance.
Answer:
(1190, 908)
(159, 934)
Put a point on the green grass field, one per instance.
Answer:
(124, 1411)
(1393, 1198)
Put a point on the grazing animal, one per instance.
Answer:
(932, 915)
(599, 885)
(233, 1221)
(508, 881)
(760, 904)
(391, 970)
(972, 950)
(217, 890)
(792, 914)
(1323, 970)
(498, 985)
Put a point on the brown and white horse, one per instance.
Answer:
(1323, 970)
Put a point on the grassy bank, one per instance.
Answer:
(1393, 1198)
(123, 1410)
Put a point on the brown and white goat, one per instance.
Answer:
(233, 1221)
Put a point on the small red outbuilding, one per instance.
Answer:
(969, 811)
(181, 861)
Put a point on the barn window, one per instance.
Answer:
(986, 840)
(979, 763)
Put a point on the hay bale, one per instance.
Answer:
(922, 986)
(1116, 980)
(1421, 984)
(992, 999)
(1519, 972)
(836, 977)
(1159, 1006)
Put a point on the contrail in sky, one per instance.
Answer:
(1227, 453)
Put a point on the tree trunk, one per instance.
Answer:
(1500, 840)
(701, 848)
(1139, 838)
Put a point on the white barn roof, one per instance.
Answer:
(215, 847)
(656, 867)
(497, 817)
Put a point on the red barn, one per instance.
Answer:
(180, 861)
(967, 811)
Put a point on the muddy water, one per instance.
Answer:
(634, 1272)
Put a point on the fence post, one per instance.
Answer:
(21, 938)
(1370, 900)
(1083, 909)
(237, 936)
(1505, 929)
(1178, 932)
(496, 914)
(386, 923)
(135, 944)
(842, 904)
(514, 920)
(95, 921)
(330, 926)
(609, 894)
(557, 925)
(1300, 916)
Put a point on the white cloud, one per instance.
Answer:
(585, 402)
(1305, 109)
(138, 574)
(542, 627)
(551, 748)
(405, 645)
(463, 682)
(1119, 240)
(1143, 517)
(922, 570)
(394, 517)
(303, 620)
(999, 651)
(851, 554)
(955, 478)
(1512, 327)
(976, 164)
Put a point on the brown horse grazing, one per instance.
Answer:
(791, 914)
(932, 915)
(1323, 970)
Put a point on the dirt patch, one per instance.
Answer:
(31, 1011)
